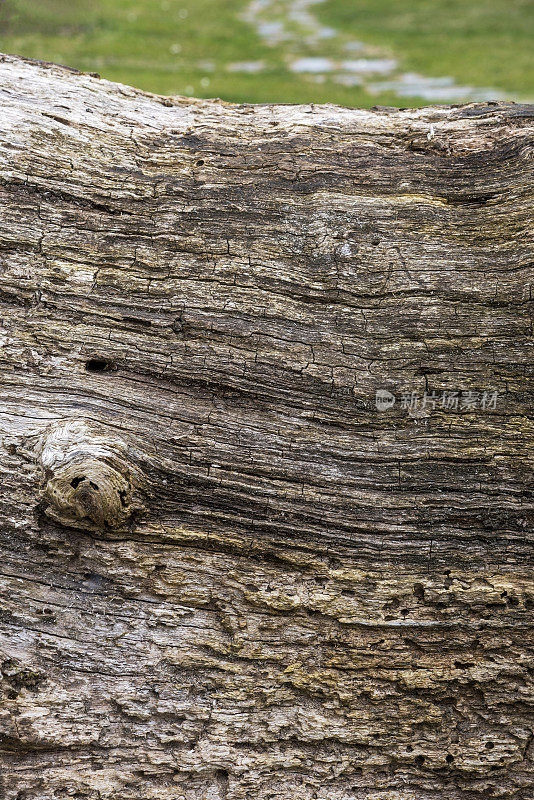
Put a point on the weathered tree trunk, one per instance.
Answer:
(226, 573)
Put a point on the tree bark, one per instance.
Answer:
(228, 572)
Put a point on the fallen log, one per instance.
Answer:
(266, 447)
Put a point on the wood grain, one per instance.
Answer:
(225, 573)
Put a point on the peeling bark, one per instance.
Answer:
(226, 574)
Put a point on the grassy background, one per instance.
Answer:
(477, 42)
(184, 46)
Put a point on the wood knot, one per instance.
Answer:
(88, 480)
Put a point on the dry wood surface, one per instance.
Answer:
(226, 574)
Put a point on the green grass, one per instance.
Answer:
(166, 46)
(477, 42)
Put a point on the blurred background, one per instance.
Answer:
(352, 52)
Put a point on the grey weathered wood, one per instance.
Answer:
(225, 574)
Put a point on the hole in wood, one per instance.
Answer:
(419, 591)
(98, 365)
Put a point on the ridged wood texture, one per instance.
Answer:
(225, 574)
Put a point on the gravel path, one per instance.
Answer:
(291, 26)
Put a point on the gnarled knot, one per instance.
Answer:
(88, 480)
(91, 489)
